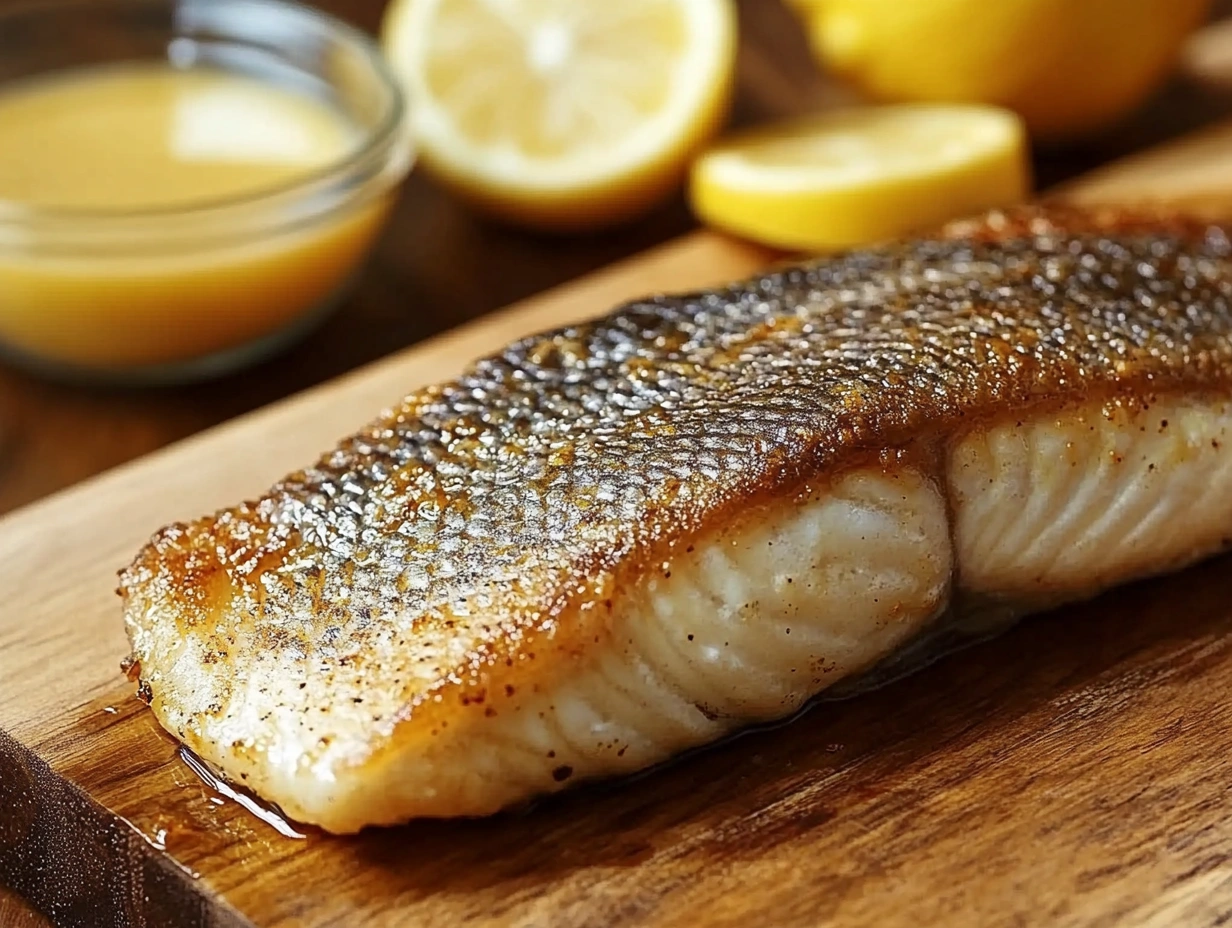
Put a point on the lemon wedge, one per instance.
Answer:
(854, 176)
(562, 114)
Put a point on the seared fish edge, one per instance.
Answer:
(621, 539)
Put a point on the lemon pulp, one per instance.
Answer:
(562, 113)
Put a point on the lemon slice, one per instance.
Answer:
(562, 113)
(850, 177)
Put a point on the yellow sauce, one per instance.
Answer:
(138, 138)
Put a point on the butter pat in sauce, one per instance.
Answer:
(196, 169)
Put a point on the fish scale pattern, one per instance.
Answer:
(442, 540)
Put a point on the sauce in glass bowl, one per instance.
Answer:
(170, 219)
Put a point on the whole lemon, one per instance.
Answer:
(1068, 67)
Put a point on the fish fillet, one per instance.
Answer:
(618, 540)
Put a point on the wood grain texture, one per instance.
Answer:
(1074, 772)
(16, 912)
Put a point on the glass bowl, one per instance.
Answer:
(187, 292)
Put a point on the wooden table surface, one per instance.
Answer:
(438, 266)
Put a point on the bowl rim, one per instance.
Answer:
(387, 140)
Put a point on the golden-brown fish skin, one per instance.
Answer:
(469, 543)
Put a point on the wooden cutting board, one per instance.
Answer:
(1076, 771)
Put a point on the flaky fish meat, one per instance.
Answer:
(619, 540)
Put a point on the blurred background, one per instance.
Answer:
(438, 264)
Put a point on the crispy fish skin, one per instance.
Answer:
(450, 568)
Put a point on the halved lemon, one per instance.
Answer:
(1070, 68)
(562, 114)
(854, 176)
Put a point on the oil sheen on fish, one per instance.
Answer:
(622, 539)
